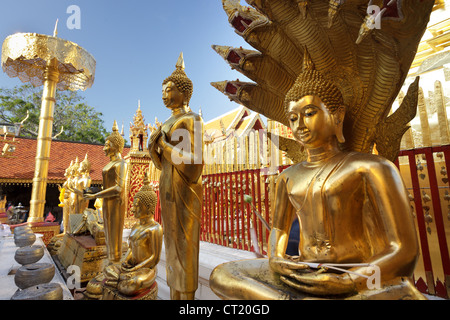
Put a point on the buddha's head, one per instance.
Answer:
(114, 143)
(68, 172)
(315, 108)
(144, 202)
(85, 165)
(177, 88)
(74, 168)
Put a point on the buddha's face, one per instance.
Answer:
(172, 97)
(311, 122)
(109, 148)
(138, 209)
(74, 171)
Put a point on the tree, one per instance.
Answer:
(80, 121)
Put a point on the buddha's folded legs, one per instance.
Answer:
(254, 280)
(249, 280)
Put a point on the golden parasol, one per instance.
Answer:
(56, 64)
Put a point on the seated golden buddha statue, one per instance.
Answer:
(352, 207)
(137, 272)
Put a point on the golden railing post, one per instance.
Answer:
(44, 140)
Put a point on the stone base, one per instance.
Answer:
(83, 252)
(98, 290)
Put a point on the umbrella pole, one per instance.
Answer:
(37, 202)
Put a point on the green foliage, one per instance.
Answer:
(80, 121)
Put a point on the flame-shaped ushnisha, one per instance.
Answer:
(56, 64)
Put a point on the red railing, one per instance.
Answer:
(431, 226)
(228, 219)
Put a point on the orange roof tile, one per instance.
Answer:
(20, 167)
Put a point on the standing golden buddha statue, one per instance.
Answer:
(135, 277)
(352, 207)
(71, 186)
(180, 183)
(81, 181)
(113, 194)
(64, 199)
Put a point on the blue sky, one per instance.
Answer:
(136, 44)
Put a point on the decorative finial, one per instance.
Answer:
(180, 62)
(115, 126)
(139, 104)
(55, 31)
(146, 178)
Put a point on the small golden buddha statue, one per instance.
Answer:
(113, 195)
(180, 183)
(137, 272)
(65, 198)
(83, 183)
(352, 207)
(74, 197)
(79, 181)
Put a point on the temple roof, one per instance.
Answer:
(239, 121)
(20, 167)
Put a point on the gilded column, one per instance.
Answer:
(37, 202)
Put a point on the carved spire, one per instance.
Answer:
(180, 62)
(55, 31)
(115, 127)
(138, 132)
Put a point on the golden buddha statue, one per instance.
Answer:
(83, 183)
(113, 194)
(78, 181)
(180, 183)
(64, 198)
(137, 272)
(352, 207)
(74, 197)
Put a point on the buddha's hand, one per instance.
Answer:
(321, 283)
(288, 266)
(162, 141)
(154, 137)
(89, 196)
